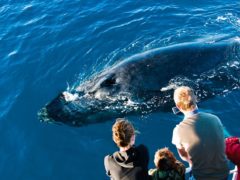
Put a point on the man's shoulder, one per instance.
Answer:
(185, 123)
(175, 129)
(208, 115)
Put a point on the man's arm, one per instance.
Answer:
(184, 155)
(177, 142)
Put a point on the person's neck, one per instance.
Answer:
(123, 149)
(191, 112)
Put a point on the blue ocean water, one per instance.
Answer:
(47, 46)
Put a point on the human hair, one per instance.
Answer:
(185, 98)
(122, 132)
(165, 160)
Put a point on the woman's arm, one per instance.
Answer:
(106, 165)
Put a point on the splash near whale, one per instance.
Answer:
(144, 83)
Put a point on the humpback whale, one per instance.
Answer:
(144, 83)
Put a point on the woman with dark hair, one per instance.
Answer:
(167, 166)
(130, 162)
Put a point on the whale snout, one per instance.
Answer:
(55, 111)
(47, 113)
(43, 116)
(69, 108)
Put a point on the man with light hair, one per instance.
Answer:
(199, 138)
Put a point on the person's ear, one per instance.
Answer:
(133, 140)
(178, 106)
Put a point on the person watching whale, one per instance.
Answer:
(199, 138)
(167, 166)
(130, 162)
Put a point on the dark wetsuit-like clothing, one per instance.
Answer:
(129, 165)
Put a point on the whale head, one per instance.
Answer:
(104, 97)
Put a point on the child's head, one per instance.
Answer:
(164, 159)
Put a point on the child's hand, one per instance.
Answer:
(151, 171)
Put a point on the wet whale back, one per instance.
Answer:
(153, 69)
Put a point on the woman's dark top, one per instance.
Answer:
(129, 165)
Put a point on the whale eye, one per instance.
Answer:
(111, 80)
